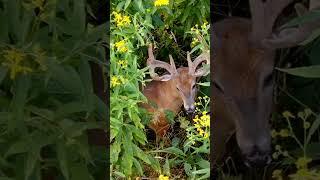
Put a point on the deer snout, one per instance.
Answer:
(257, 158)
(189, 109)
(256, 152)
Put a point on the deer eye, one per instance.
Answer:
(194, 86)
(178, 89)
(216, 85)
(267, 80)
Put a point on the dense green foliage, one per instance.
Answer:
(46, 94)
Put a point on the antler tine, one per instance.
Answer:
(289, 37)
(190, 63)
(153, 63)
(264, 15)
(173, 66)
(193, 69)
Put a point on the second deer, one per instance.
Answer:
(171, 91)
(243, 68)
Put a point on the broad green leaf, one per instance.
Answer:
(206, 84)
(32, 159)
(172, 150)
(306, 72)
(315, 34)
(204, 164)
(80, 172)
(20, 94)
(20, 146)
(308, 17)
(166, 167)
(138, 166)
(127, 4)
(63, 160)
(3, 73)
(314, 127)
(114, 152)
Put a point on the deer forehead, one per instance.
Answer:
(184, 79)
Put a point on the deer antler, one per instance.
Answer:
(289, 37)
(153, 63)
(263, 15)
(193, 65)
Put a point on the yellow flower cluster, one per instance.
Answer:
(117, 81)
(202, 122)
(281, 133)
(121, 20)
(13, 60)
(121, 46)
(162, 177)
(161, 2)
(277, 174)
(123, 63)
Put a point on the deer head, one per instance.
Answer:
(182, 80)
(244, 62)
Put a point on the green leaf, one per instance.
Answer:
(315, 34)
(69, 109)
(306, 72)
(308, 17)
(138, 166)
(141, 154)
(187, 168)
(20, 94)
(166, 167)
(314, 127)
(80, 172)
(67, 77)
(206, 84)
(3, 73)
(115, 151)
(18, 147)
(32, 159)
(127, 4)
(172, 150)
(204, 164)
(63, 160)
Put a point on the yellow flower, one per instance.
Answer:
(284, 133)
(121, 20)
(306, 125)
(123, 63)
(206, 135)
(288, 115)
(273, 133)
(277, 174)
(121, 47)
(302, 162)
(161, 2)
(13, 60)
(126, 19)
(162, 177)
(115, 81)
(205, 120)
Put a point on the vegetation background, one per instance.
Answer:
(51, 54)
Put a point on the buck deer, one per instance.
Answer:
(171, 91)
(244, 55)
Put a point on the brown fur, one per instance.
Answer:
(166, 96)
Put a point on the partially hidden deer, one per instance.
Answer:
(171, 91)
(242, 79)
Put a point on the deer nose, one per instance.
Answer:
(257, 158)
(190, 109)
